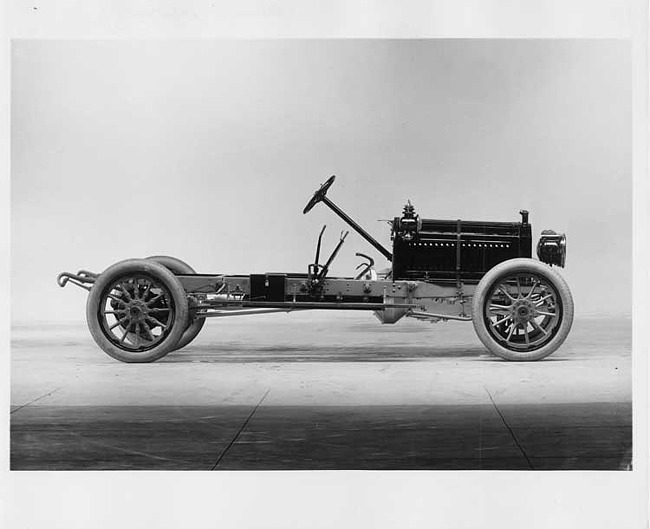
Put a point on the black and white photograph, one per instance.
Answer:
(268, 262)
(364, 254)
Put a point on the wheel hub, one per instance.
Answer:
(136, 311)
(522, 311)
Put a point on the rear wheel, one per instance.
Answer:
(176, 266)
(522, 310)
(137, 311)
(181, 267)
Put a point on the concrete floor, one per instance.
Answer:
(322, 390)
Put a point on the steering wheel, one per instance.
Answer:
(319, 195)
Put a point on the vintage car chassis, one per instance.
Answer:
(139, 310)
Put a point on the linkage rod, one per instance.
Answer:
(344, 305)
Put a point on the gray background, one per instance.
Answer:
(208, 150)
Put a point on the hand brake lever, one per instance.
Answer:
(326, 266)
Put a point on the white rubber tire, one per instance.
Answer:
(523, 266)
(128, 268)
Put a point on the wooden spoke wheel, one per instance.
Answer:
(522, 310)
(137, 311)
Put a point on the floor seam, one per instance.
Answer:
(512, 433)
(35, 400)
(243, 426)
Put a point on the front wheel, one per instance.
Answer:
(522, 310)
(137, 311)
